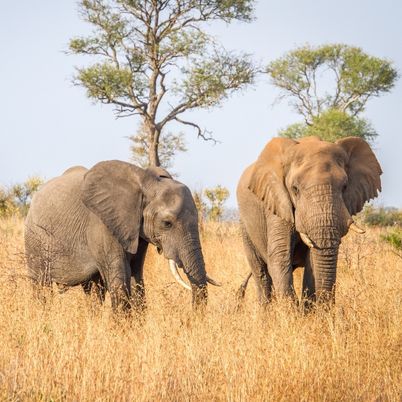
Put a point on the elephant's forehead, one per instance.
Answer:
(309, 151)
(175, 195)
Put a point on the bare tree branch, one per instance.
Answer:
(204, 134)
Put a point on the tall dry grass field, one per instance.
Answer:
(72, 349)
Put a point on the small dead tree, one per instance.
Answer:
(216, 197)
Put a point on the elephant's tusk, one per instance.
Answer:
(356, 228)
(213, 281)
(306, 240)
(176, 275)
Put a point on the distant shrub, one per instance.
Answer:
(210, 203)
(381, 216)
(216, 197)
(7, 204)
(17, 198)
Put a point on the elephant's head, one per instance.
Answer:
(148, 203)
(317, 186)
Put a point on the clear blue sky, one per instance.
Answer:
(48, 125)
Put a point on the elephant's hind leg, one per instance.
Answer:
(259, 269)
(39, 276)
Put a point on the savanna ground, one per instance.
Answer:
(71, 349)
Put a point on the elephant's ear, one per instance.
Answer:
(268, 178)
(112, 191)
(363, 172)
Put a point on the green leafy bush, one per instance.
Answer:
(394, 239)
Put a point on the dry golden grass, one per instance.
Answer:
(71, 349)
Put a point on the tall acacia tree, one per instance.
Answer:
(155, 60)
(329, 86)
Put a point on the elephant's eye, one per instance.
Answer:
(344, 187)
(167, 224)
(295, 190)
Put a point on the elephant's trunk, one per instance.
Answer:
(324, 263)
(325, 223)
(194, 267)
(324, 258)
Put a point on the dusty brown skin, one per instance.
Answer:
(93, 227)
(303, 189)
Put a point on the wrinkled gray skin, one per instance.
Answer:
(93, 227)
(307, 186)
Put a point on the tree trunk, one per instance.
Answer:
(153, 153)
(153, 144)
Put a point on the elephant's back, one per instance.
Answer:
(58, 193)
(56, 210)
(75, 169)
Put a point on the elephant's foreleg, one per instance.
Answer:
(259, 270)
(97, 285)
(87, 287)
(137, 278)
(117, 276)
(100, 289)
(279, 256)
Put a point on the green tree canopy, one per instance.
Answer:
(331, 125)
(154, 59)
(329, 86)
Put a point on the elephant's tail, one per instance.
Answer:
(242, 289)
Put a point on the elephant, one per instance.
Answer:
(296, 202)
(93, 227)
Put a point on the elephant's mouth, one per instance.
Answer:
(311, 244)
(160, 251)
(174, 268)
